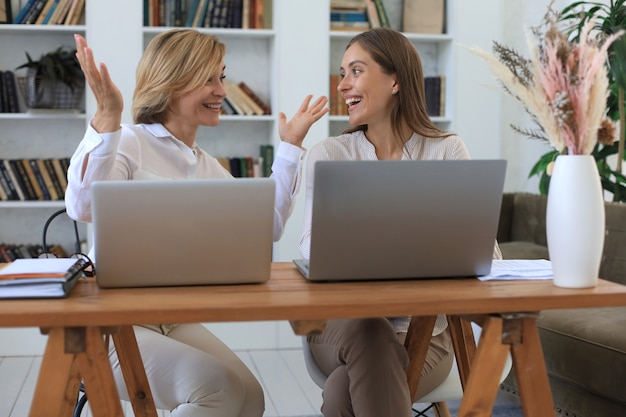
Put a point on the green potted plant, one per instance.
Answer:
(54, 81)
(608, 19)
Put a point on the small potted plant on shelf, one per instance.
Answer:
(55, 81)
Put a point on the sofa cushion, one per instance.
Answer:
(523, 250)
(587, 348)
(613, 265)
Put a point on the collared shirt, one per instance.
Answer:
(356, 146)
(150, 151)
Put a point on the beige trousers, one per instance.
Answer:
(366, 361)
(193, 374)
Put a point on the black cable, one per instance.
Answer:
(47, 224)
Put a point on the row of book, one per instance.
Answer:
(33, 179)
(8, 93)
(50, 12)
(418, 16)
(434, 91)
(12, 251)
(243, 167)
(242, 14)
(357, 15)
(242, 100)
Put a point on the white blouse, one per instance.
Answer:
(150, 151)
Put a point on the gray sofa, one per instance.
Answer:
(584, 349)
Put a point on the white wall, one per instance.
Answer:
(483, 115)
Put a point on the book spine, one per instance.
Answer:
(8, 183)
(248, 91)
(11, 92)
(23, 12)
(33, 179)
(47, 180)
(382, 14)
(46, 19)
(40, 180)
(53, 177)
(44, 12)
(13, 175)
(33, 12)
(29, 191)
(60, 173)
(267, 154)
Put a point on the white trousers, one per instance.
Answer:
(193, 374)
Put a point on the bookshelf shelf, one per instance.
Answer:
(40, 29)
(32, 204)
(28, 116)
(219, 32)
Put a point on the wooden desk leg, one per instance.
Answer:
(134, 372)
(104, 400)
(419, 333)
(57, 385)
(482, 386)
(464, 344)
(530, 372)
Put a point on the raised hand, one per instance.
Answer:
(110, 102)
(294, 130)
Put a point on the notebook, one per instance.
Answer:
(374, 220)
(183, 232)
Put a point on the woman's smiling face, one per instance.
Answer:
(367, 90)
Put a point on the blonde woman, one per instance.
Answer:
(179, 88)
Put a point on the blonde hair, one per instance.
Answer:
(174, 63)
(396, 55)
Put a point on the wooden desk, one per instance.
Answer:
(506, 309)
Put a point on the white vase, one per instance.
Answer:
(575, 221)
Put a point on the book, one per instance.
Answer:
(44, 11)
(47, 179)
(382, 14)
(34, 12)
(267, 156)
(10, 90)
(40, 278)
(236, 99)
(76, 10)
(249, 102)
(7, 183)
(12, 173)
(23, 179)
(434, 91)
(58, 188)
(50, 12)
(19, 18)
(423, 16)
(42, 184)
(61, 174)
(248, 91)
(372, 14)
(33, 179)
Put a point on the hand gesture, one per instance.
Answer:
(110, 102)
(294, 130)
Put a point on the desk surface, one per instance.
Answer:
(287, 295)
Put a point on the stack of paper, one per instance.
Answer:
(508, 269)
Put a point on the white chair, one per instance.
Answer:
(449, 390)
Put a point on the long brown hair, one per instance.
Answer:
(396, 55)
(175, 62)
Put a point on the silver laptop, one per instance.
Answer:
(183, 232)
(403, 219)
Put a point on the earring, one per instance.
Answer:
(394, 91)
